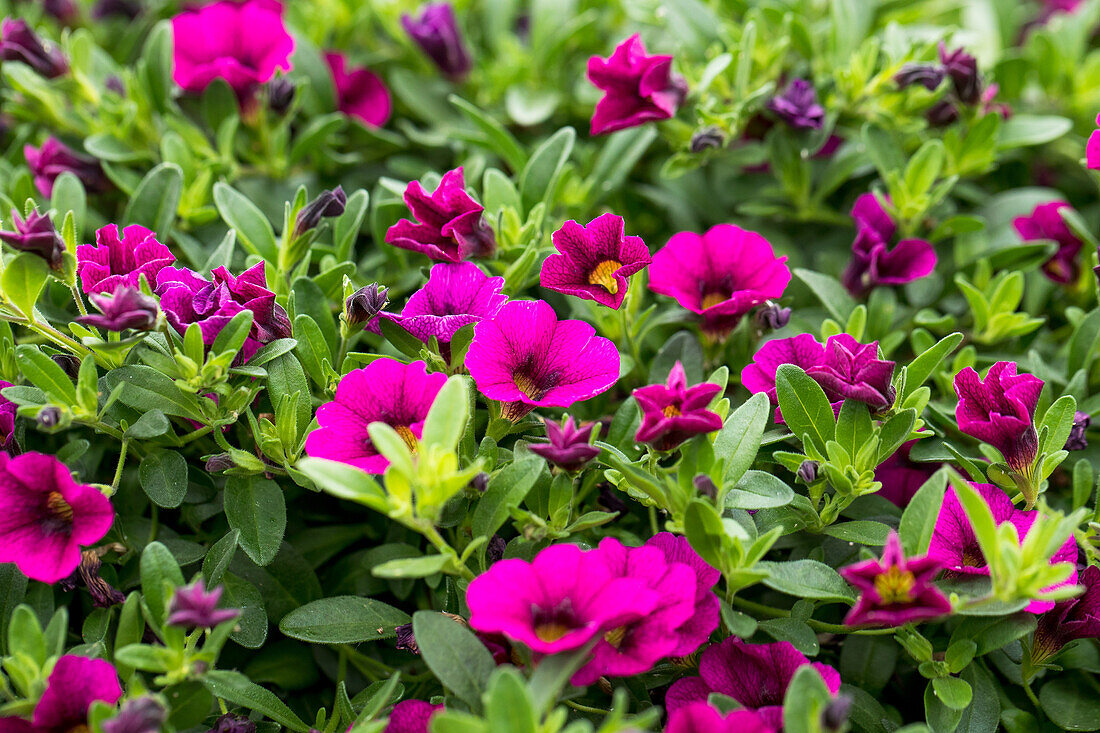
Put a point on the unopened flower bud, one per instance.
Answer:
(143, 715)
(1077, 439)
(711, 137)
(48, 417)
(230, 723)
(218, 463)
(36, 235)
(18, 42)
(326, 205)
(835, 714)
(480, 482)
(705, 486)
(772, 316)
(69, 363)
(495, 549)
(365, 303)
(928, 76)
(280, 94)
(807, 472)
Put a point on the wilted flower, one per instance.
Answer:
(895, 590)
(852, 371)
(637, 88)
(1074, 618)
(36, 235)
(1077, 439)
(73, 685)
(1000, 411)
(699, 717)
(103, 594)
(797, 106)
(411, 716)
(594, 261)
(18, 42)
(1046, 222)
(673, 412)
(8, 409)
(359, 91)
(928, 76)
(772, 317)
(194, 607)
(963, 70)
(120, 261)
(902, 477)
(437, 34)
(873, 261)
(526, 358)
(405, 639)
(449, 225)
(54, 158)
(127, 308)
(327, 205)
(280, 94)
(569, 446)
(365, 303)
(142, 715)
(385, 390)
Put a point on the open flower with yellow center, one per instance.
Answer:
(895, 589)
(673, 412)
(594, 261)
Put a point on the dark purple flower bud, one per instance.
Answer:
(437, 34)
(327, 204)
(280, 94)
(480, 482)
(48, 417)
(807, 472)
(143, 715)
(126, 308)
(192, 607)
(64, 10)
(568, 448)
(798, 107)
(128, 9)
(115, 85)
(36, 235)
(495, 549)
(835, 714)
(963, 70)
(69, 363)
(365, 303)
(942, 114)
(405, 638)
(219, 462)
(610, 500)
(771, 316)
(104, 595)
(711, 137)
(1077, 439)
(19, 43)
(928, 76)
(705, 486)
(54, 158)
(230, 723)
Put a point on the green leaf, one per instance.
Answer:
(163, 477)
(757, 490)
(24, 277)
(457, 658)
(704, 531)
(150, 425)
(863, 531)
(830, 292)
(345, 481)
(345, 229)
(804, 701)
(250, 630)
(739, 439)
(918, 371)
(1023, 130)
(543, 170)
(285, 376)
(497, 137)
(448, 415)
(953, 692)
(238, 689)
(44, 373)
(160, 575)
(1058, 420)
(233, 334)
(508, 704)
(252, 227)
(507, 489)
(147, 389)
(69, 195)
(806, 579)
(412, 567)
(343, 620)
(219, 556)
(853, 426)
(804, 405)
(156, 199)
(257, 508)
(1070, 701)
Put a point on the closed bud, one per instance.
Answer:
(1077, 439)
(807, 472)
(365, 303)
(69, 363)
(218, 463)
(706, 139)
(48, 417)
(495, 549)
(928, 76)
(771, 316)
(405, 638)
(835, 715)
(326, 205)
(705, 486)
(280, 94)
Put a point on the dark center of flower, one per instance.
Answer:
(714, 298)
(895, 586)
(408, 437)
(552, 624)
(671, 411)
(604, 274)
(972, 556)
(59, 513)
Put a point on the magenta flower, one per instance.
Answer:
(755, 675)
(962, 68)
(139, 715)
(902, 477)
(1045, 222)
(673, 412)
(127, 308)
(569, 447)
(853, 371)
(449, 225)
(244, 43)
(558, 601)
(18, 42)
(955, 546)
(47, 516)
(704, 619)
(117, 261)
(73, 685)
(699, 717)
(193, 607)
(36, 235)
(637, 88)
(802, 350)
(594, 261)
(798, 106)
(411, 716)
(385, 390)
(895, 590)
(8, 409)
(1074, 618)
(359, 91)
(1000, 411)
(526, 358)
(873, 261)
(54, 158)
(1092, 149)
(437, 34)
(720, 275)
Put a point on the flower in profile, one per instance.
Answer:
(359, 91)
(366, 303)
(895, 590)
(719, 275)
(436, 32)
(874, 262)
(120, 261)
(1092, 149)
(54, 158)
(637, 88)
(594, 261)
(1077, 439)
(195, 607)
(18, 42)
(244, 43)
(411, 716)
(8, 409)
(141, 715)
(955, 546)
(47, 516)
(73, 685)
(385, 390)
(569, 448)
(37, 235)
(557, 602)
(127, 308)
(901, 477)
(802, 350)
(327, 205)
(673, 412)
(755, 675)
(1000, 411)
(526, 358)
(1074, 618)
(449, 225)
(699, 717)
(853, 371)
(1046, 222)
(798, 106)
(962, 68)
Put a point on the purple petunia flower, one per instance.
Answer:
(73, 685)
(436, 32)
(873, 261)
(1092, 149)
(411, 716)
(699, 717)
(895, 590)
(1000, 411)
(720, 275)
(638, 88)
(385, 390)
(8, 409)
(901, 477)
(798, 107)
(558, 601)
(18, 42)
(569, 447)
(853, 371)
(594, 261)
(1045, 222)
(194, 607)
(962, 68)
(802, 350)
(1077, 439)
(47, 516)
(117, 261)
(449, 224)
(127, 308)
(673, 412)
(54, 158)
(36, 235)
(755, 675)
(704, 619)
(244, 43)
(141, 715)
(955, 546)
(526, 358)
(359, 91)
(1074, 618)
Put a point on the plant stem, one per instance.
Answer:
(121, 465)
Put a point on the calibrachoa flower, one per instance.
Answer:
(54, 158)
(798, 107)
(704, 619)
(47, 516)
(1000, 411)
(963, 70)
(895, 590)
(526, 358)
(873, 261)
(143, 715)
(755, 675)
(1092, 149)
(638, 88)
(955, 546)
(127, 308)
(449, 225)
(116, 261)
(437, 34)
(594, 261)
(194, 607)
(853, 371)
(569, 446)
(18, 42)
(359, 91)
(902, 477)
(37, 235)
(411, 716)
(1045, 222)
(1074, 618)
(673, 412)
(558, 601)
(699, 717)
(720, 275)
(73, 685)
(802, 350)
(7, 423)
(366, 303)
(243, 43)
(385, 390)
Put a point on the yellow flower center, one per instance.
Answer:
(895, 586)
(604, 274)
(672, 411)
(712, 299)
(527, 385)
(615, 636)
(408, 437)
(551, 630)
(58, 507)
